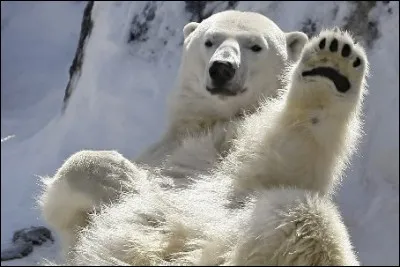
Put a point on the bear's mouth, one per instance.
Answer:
(225, 91)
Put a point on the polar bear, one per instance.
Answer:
(230, 62)
(287, 222)
(304, 137)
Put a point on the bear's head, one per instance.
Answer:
(233, 59)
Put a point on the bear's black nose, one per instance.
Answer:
(221, 72)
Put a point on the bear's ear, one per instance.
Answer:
(295, 42)
(189, 28)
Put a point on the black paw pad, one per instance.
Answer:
(346, 50)
(342, 84)
(357, 62)
(334, 45)
(322, 43)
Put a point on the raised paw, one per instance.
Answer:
(333, 55)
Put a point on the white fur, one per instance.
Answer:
(278, 145)
(193, 111)
(305, 137)
(201, 125)
(193, 227)
(292, 227)
(87, 180)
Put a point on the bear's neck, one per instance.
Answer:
(191, 113)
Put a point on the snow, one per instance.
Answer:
(120, 100)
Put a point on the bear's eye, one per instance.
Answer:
(208, 43)
(256, 48)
